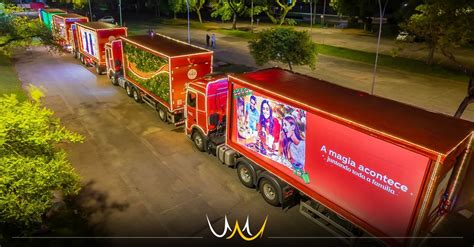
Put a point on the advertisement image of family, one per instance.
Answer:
(274, 130)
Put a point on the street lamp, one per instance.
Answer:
(311, 15)
(120, 12)
(189, 34)
(381, 13)
(324, 13)
(251, 17)
(90, 10)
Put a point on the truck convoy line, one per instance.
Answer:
(358, 164)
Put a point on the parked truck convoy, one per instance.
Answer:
(46, 16)
(358, 164)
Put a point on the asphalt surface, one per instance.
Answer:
(142, 177)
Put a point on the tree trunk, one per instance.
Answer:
(174, 15)
(289, 65)
(271, 17)
(467, 100)
(283, 16)
(432, 48)
(199, 15)
(234, 22)
(314, 11)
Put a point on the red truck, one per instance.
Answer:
(154, 69)
(61, 26)
(360, 164)
(91, 39)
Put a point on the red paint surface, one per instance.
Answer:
(103, 36)
(390, 213)
(57, 21)
(344, 192)
(180, 66)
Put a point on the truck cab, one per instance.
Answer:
(113, 58)
(205, 111)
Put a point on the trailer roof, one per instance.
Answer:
(165, 45)
(434, 131)
(69, 15)
(54, 10)
(99, 25)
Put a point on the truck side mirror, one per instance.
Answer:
(214, 119)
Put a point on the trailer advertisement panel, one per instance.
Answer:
(377, 182)
(149, 71)
(89, 42)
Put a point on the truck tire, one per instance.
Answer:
(128, 90)
(269, 192)
(162, 114)
(245, 175)
(114, 79)
(136, 95)
(198, 140)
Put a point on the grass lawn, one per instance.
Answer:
(387, 61)
(398, 63)
(9, 82)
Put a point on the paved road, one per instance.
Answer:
(143, 177)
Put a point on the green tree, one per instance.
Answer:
(79, 4)
(284, 45)
(278, 17)
(32, 167)
(197, 5)
(426, 23)
(21, 31)
(446, 25)
(229, 9)
(177, 6)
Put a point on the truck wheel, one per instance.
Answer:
(136, 95)
(114, 79)
(162, 115)
(245, 175)
(128, 90)
(198, 140)
(269, 192)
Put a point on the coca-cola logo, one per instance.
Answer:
(192, 74)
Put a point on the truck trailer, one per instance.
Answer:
(46, 16)
(91, 39)
(154, 69)
(359, 164)
(61, 26)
